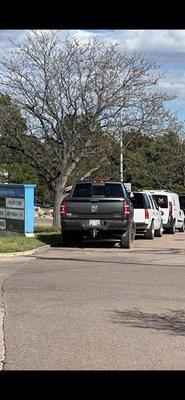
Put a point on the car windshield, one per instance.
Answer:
(161, 200)
(112, 190)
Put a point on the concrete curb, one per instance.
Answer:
(24, 253)
(2, 347)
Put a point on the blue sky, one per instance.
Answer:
(167, 46)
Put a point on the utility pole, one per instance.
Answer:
(121, 151)
(121, 158)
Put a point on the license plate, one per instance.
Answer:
(94, 222)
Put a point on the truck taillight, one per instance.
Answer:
(146, 213)
(170, 209)
(126, 210)
(63, 209)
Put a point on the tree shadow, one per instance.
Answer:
(160, 251)
(172, 322)
(95, 261)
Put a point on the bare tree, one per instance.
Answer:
(70, 92)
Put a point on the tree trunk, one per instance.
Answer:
(59, 193)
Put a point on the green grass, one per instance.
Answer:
(43, 236)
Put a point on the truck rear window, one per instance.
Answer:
(112, 190)
(162, 201)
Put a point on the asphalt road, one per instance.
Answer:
(97, 308)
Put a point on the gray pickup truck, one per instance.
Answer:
(97, 209)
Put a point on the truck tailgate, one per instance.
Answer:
(88, 208)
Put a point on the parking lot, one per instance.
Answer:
(98, 307)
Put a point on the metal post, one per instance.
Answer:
(121, 158)
(121, 148)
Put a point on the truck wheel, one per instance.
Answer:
(150, 233)
(127, 238)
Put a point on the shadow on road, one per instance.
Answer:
(124, 262)
(160, 251)
(172, 322)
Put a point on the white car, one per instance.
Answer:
(147, 216)
(173, 216)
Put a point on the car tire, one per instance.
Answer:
(172, 229)
(182, 229)
(150, 233)
(128, 237)
(159, 232)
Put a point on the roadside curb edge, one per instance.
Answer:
(24, 253)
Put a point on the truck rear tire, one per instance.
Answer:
(128, 237)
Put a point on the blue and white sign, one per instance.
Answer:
(13, 191)
(14, 202)
(17, 208)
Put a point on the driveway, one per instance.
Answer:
(8, 266)
(98, 308)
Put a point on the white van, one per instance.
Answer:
(172, 215)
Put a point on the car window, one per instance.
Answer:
(108, 190)
(148, 201)
(138, 200)
(161, 200)
(156, 206)
(83, 190)
(182, 202)
(152, 202)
